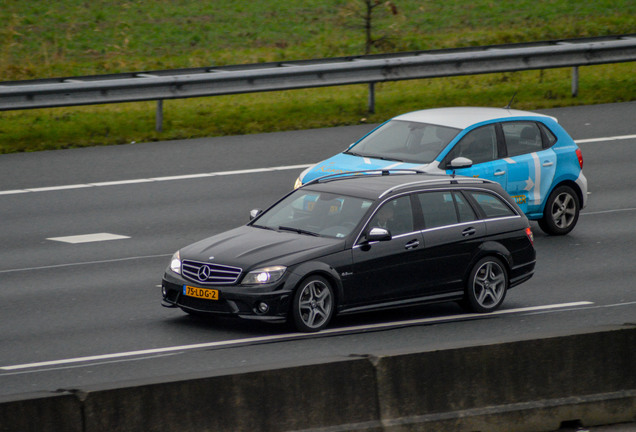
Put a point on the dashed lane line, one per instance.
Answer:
(88, 238)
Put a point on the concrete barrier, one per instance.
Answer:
(283, 399)
(534, 385)
(38, 412)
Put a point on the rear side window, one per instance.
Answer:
(491, 205)
(522, 137)
(444, 208)
(464, 210)
(550, 137)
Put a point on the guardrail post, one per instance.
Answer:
(159, 116)
(371, 106)
(575, 81)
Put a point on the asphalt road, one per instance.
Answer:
(83, 314)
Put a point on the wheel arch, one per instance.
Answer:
(567, 182)
(493, 249)
(315, 268)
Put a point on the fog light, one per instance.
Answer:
(263, 307)
(164, 291)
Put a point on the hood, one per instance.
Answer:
(248, 247)
(343, 162)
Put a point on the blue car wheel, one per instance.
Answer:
(561, 211)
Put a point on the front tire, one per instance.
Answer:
(561, 211)
(314, 304)
(487, 285)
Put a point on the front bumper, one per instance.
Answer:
(234, 300)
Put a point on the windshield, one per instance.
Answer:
(309, 212)
(405, 141)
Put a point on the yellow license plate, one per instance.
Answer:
(203, 293)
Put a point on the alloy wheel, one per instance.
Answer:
(488, 284)
(563, 210)
(313, 305)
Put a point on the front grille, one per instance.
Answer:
(208, 273)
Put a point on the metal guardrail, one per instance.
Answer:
(370, 69)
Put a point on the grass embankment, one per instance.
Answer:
(70, 38)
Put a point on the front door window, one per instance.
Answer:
(481, 147)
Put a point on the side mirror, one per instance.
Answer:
(378, 235)
(254, 213)
(460, 162)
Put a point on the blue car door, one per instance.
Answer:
(531, 166)
(482, 147)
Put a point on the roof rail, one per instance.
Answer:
(450, 180)
(376, 172)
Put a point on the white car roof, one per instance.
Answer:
(462, 117)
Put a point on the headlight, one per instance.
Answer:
(264, 275)
(298, 183)
(175, 263)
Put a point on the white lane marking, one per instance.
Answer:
(155, 179)
(88, 238)
(83, 263)
(77, 366)
(612, 138)
(222, 173)
(607, 211)
(291, 336)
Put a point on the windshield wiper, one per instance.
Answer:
(298, 230)
(386, 158)
(373, 156)
(354, 154)
(263, 227)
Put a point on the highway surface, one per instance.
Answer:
(85, 235)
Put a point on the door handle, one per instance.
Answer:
(548, 163)
(412, 244)
(499, 172)
(468, 232)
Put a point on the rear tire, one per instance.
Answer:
(487, 285)
(561, 211)
(314, 304)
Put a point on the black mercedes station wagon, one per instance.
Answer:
(357, 242)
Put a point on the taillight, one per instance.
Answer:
(579, 154)
(530, 235)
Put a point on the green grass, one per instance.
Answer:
(69, 38)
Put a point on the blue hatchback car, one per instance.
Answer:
(529, 154)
